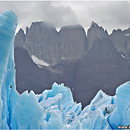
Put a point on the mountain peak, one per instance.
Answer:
(27, 30)
(21, 31)
(94, 24)
(72, 28)
(94, 32)
(42, 24)
(20, 38)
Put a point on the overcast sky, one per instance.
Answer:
(110, 15)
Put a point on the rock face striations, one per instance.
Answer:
(85, 63)
(95, 32)
(43, 41)
(121, 40)
(103, 67)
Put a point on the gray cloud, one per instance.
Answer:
(111, 15)
(40, 11)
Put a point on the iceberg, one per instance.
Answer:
(55, 108)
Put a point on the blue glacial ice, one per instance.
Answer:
(55, 108)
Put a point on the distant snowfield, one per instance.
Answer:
(39, 62)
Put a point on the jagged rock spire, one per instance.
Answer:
(95, 32)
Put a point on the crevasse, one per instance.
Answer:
(55, 108)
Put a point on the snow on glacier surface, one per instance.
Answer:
(55, 108)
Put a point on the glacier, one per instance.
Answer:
(55, 108)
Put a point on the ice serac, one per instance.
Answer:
(14, 108)
(56, 109)
(121, 115)
(95, 32)
(8, 23)
(123, 104)
(27, 113)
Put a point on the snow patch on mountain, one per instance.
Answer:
(123, 56)
(39, 62)
(127, 34)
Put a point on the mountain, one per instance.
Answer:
(30, 76)
(103, 67)
(85, 63)
(121, 40)
(95, 32)
(43, 41)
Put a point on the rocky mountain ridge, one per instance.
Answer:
(84, 63)
(43, 41)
